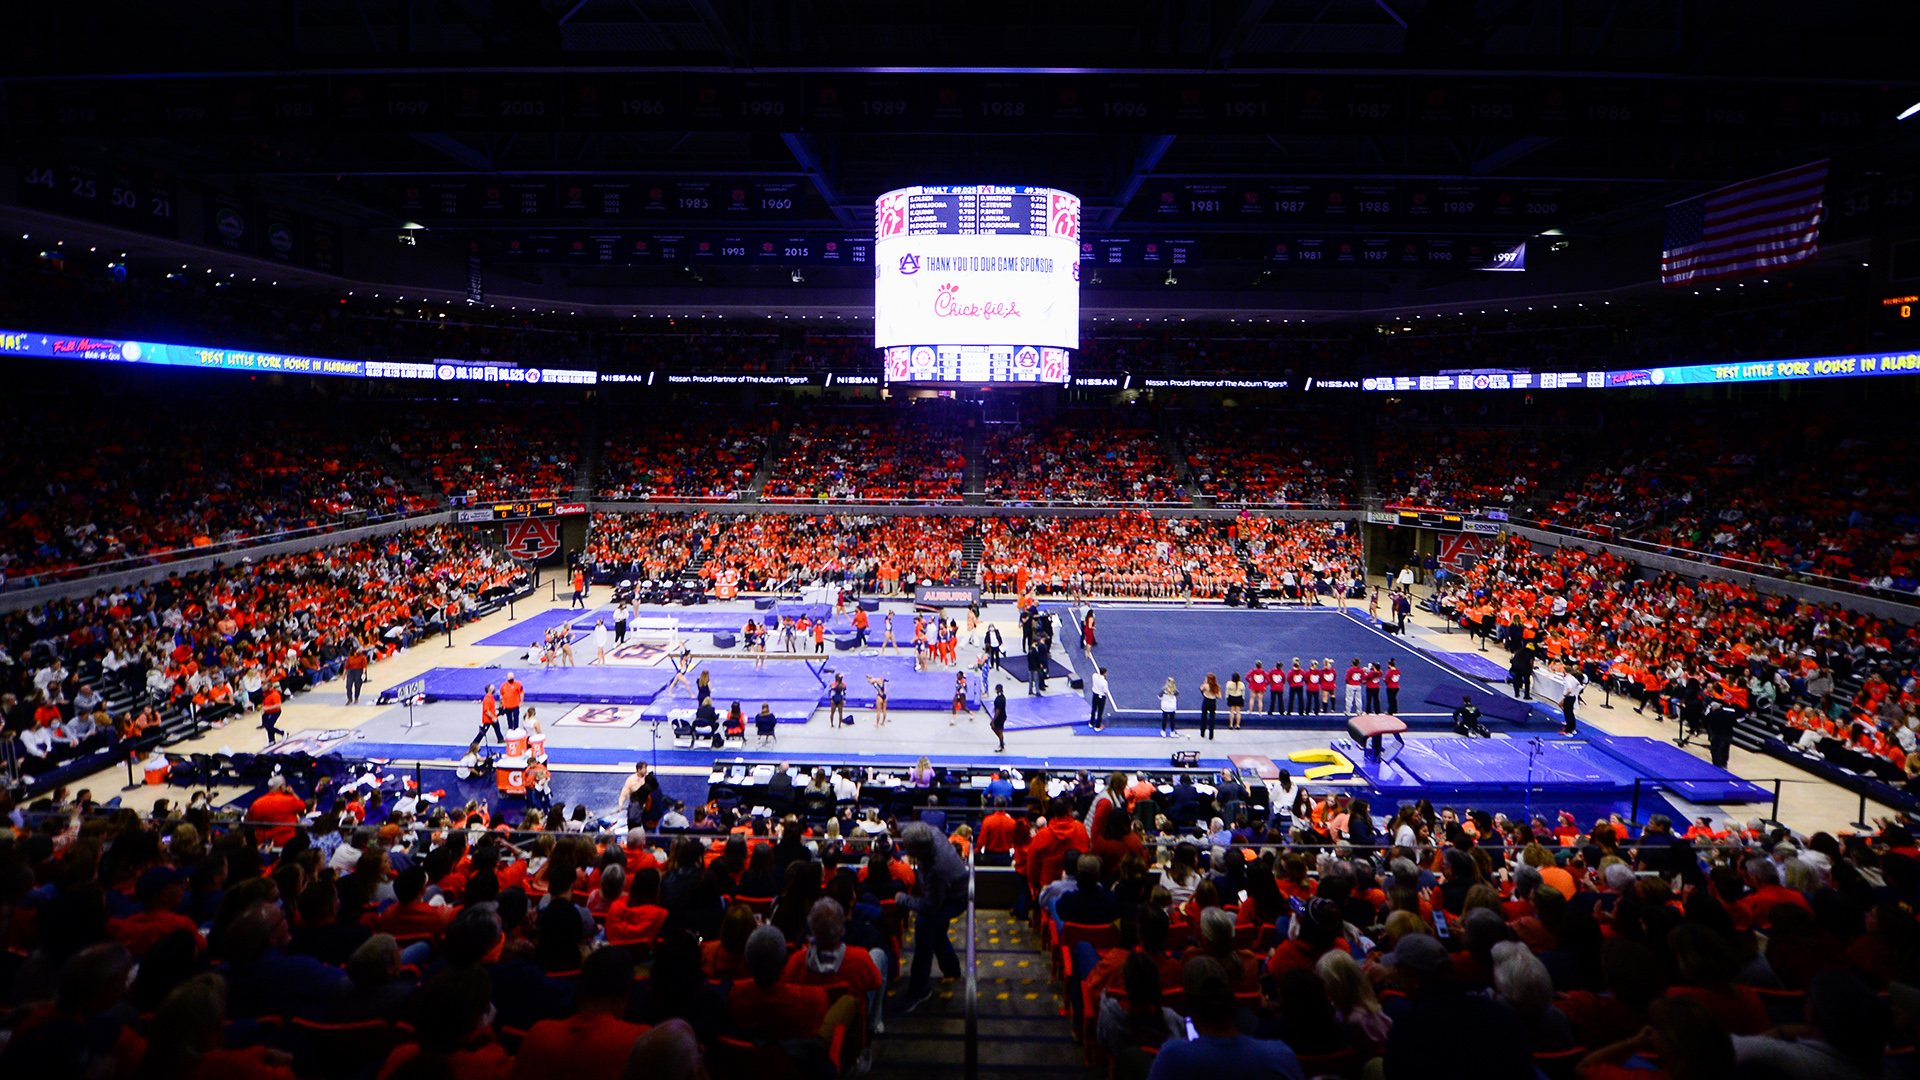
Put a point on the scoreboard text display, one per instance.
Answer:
(976, 284)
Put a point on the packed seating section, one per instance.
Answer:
(860, 454)
(702, 454)
(341, 930)
(1300, 929)
(84, 680)
(483, 451)
(90, 477)
(1814, 678)
(1272, 458)
(1080, 456)
(1463, 468)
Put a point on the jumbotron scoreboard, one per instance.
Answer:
(977, 284)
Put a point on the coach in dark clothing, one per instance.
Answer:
(1720, 721)
(1446, 1032)
(1521, 672)
(1037, 668)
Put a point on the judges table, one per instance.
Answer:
(961, 787)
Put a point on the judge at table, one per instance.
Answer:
(780, 789)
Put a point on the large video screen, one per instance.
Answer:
(977, 283)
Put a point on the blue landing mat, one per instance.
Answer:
(809, 611)
(736, 679)
(1667, 765)
(1055, 710)
(577, 685)
(1472, 663)
(530, 629)
(906, 688)
(1436, 767)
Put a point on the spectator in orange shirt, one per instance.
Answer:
(637, 918)
(280, 808)
(770, 1007)
(829, 962)
(511, 693)
(592, 1044)
(996, 842)
(355, 665)
(410, 916)
(270, 712)
(160, 892)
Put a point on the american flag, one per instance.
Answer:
(1760, 224)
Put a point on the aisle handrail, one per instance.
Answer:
(973, 985)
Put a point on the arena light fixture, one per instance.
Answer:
(1909, 111)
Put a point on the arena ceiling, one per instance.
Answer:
(584, 151)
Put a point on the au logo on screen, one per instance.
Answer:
(909, 264)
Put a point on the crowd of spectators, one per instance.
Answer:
(1680, 646)
(1079, 457)
(219, 641)
(91, 477)
(1471, 469)
(859, 454)
(1301, 932)
(1809, 505)
(763, 551)
(1274, 458)
(1647, 469)
(1315, 557)
(696, 455)
(1120, 554)
(354, 931)
(479, 450)
(1130, 553)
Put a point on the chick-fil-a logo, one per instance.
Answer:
(891, 216)
(1065, 216)
(947, 305)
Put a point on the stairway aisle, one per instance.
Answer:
(775, 447)
(973, 486)
(586, 479)
(1022, 1032)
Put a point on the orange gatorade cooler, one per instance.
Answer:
(510, 776)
